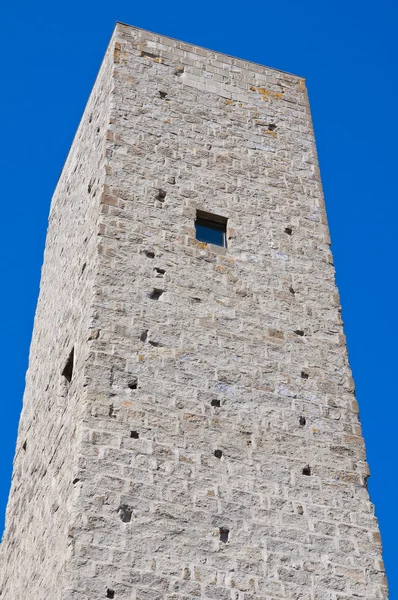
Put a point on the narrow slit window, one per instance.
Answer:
(211, 229)
(67, 371)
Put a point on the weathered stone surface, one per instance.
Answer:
(208, 443)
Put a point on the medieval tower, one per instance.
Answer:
(189, 428)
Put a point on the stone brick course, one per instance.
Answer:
(208, 445)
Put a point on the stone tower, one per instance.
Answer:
(190, 428)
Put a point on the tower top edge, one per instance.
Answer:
(237, 58)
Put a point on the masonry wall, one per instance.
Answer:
(242, 353)
(38, 538)
(256, 328)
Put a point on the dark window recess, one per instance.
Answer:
(135, 435)
(216, 402)
(211, 229)
(67, 371)
(307, 470)
(218, 453)
(110, 593)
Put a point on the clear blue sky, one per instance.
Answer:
(50, 54)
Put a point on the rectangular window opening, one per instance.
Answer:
(211, 229)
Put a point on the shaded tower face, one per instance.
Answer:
(190, 428)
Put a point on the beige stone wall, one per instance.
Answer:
(255, 328)
(38, 539)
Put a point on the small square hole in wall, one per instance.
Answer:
(156, 294)
(224, 535)
(211, 229)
